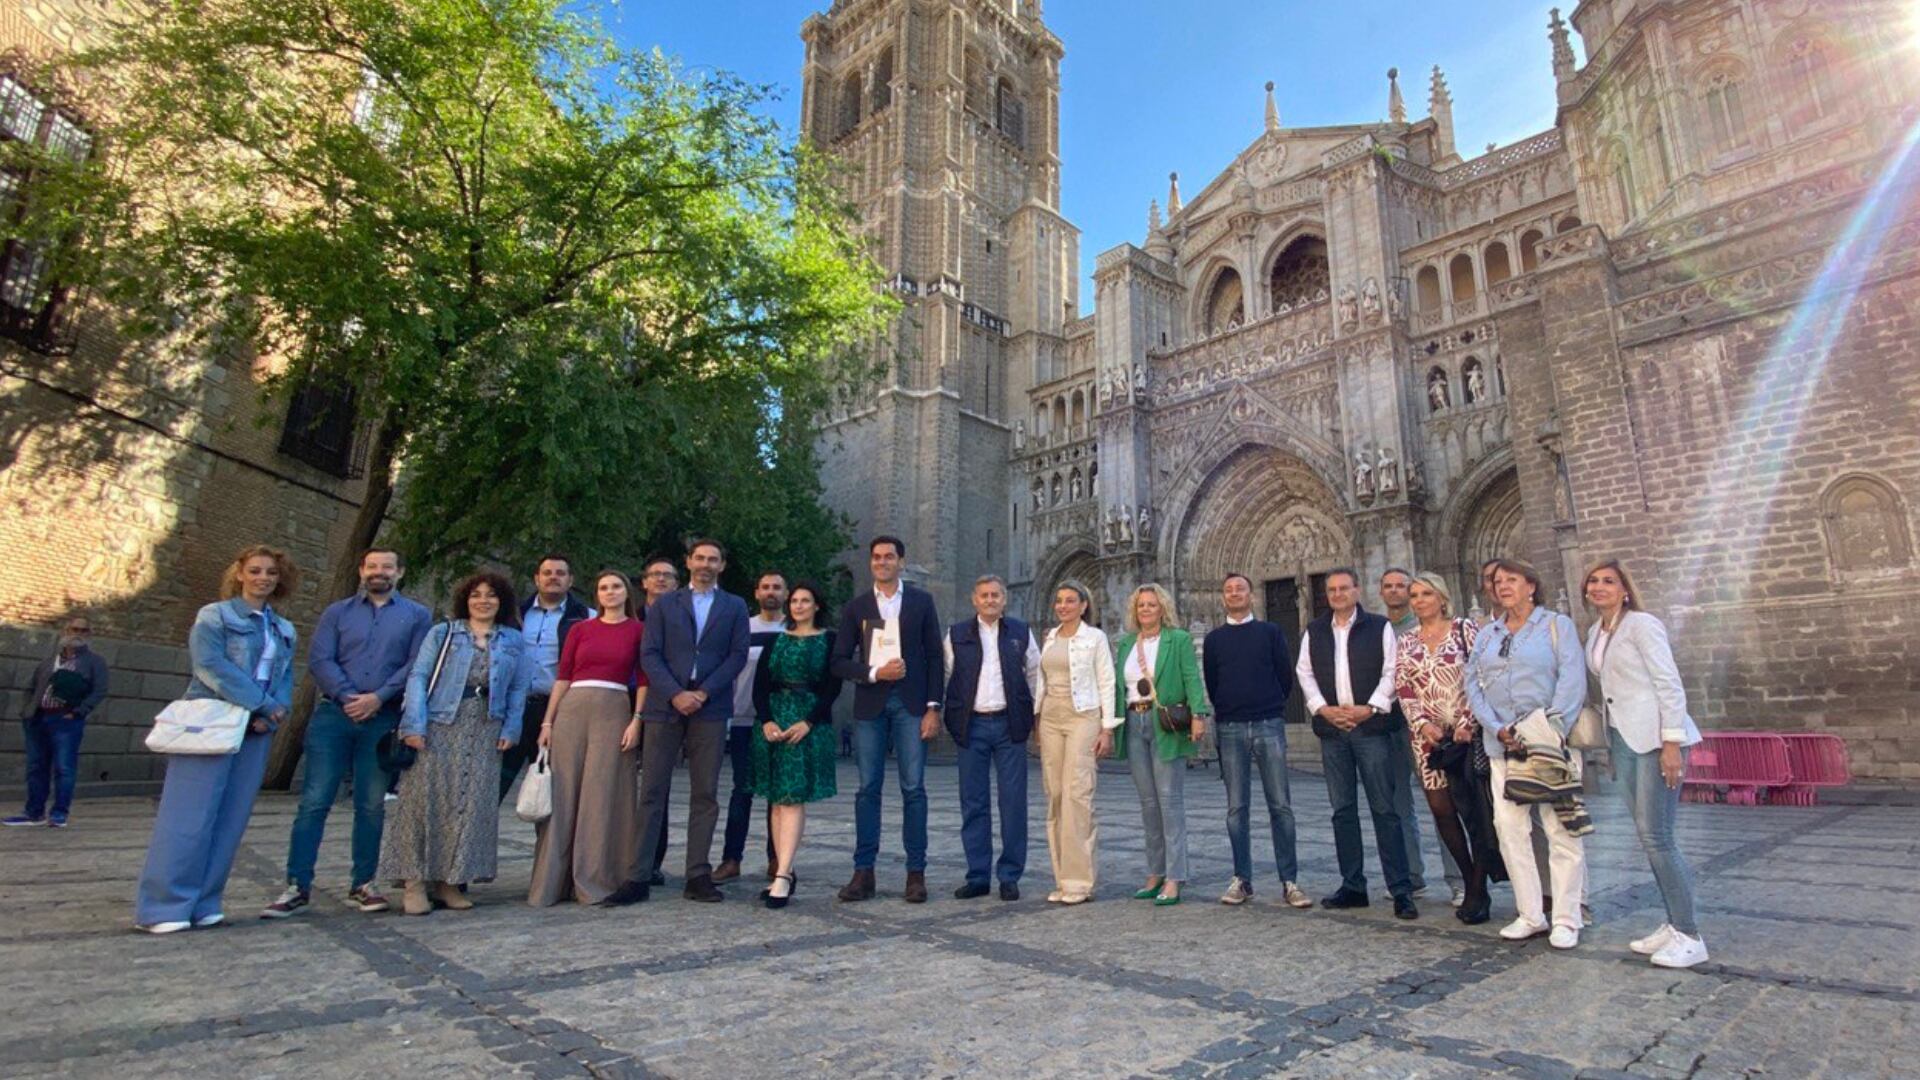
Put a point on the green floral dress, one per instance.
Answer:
(792, 685)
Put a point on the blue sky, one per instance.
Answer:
(1177, 85)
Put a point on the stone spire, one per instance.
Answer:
(1273, 111)
(1153, 215)
(1563, 63)
(1173, 195)
(1396, 105)
(1440, 107)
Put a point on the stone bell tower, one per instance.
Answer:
(947, 114)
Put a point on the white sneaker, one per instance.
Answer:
(1564, 937)
(1521, 930)
(206, 921)
(164, 927)
(1653, 942)
(1681, 951)
(1295, 896)
(1237, 893)
(1459, 896)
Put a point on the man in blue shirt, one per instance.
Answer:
(361, 655)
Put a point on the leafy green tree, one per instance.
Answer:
(586, 299)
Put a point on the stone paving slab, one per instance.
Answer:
(1808, 910)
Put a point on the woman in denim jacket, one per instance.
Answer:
(243, 654)
(445, 830)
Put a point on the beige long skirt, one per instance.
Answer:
(590, 846)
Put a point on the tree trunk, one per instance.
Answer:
(285, 755)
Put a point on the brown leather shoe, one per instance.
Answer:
(414, 901)
(860, 888)
(727, 871)
(448, 896)
(916, 887)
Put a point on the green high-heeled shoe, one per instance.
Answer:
(1150, 891)
(1163, 900)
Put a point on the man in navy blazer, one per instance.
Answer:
(694, 647)
(896, 703)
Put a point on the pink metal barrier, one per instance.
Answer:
(1816, 761)
(1734, 766)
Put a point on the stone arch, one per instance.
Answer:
(1261, 511)
(1460, 277)
(1567, 224)
(1865, 524)
(1482, 520)
(1223, 301)
(1297, 269)
(1530, 250)
(882, 81)
(1806, 55)
(1721, 87)
(850, 105)
(1474, 391)
(1078, 408)
(1427, 287)
(1439, 390)
(1072, 560)
(1499, 266)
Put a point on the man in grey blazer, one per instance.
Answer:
(695, 646)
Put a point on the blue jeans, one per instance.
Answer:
(204, 807)
(1403, 786)
(334, 745)
(740, 798)
(1352, 762)
(53, 760)
(898, 726)
(1655, 807)
(1161, 786)
(991, 756)
(1244, 747)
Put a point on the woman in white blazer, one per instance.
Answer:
(1646, 712)
(1075, 726)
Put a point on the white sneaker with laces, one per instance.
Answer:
(1521, 930)
(164, 927)
(1681, 951)
(1653, 942)
(206, 921)
(1237, 893)
(1295, 896)
(1459, 896)
(1564, 937)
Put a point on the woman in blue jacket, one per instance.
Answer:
(242, 654)
(462, 709)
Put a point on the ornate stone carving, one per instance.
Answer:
(1126, 525)
(1349, 307)
(1020, 435)
(1476, 376)
(1362, 474)
(1386, 472)
(1370, 302)
(1437, 393)
(1146, 524)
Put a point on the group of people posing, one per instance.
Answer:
(611, 696)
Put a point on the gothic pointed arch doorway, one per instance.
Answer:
(1074, 566)
(1492, 528)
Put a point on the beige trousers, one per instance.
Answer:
(1067, 766)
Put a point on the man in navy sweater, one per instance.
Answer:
(1248, 672)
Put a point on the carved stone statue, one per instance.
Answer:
(1362, 474)
(1349, 307)
(1106, 392)
(1140, 384)
(1146, 524)
(1476, 384)
(1039, 498)
(1126, 524)
(1112, 531)
(1076, 488)
(1370, 301)
(1437, 391)
(1394, 308)
(1020, 435)
(1387, 471)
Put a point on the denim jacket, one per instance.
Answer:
(225, 643)
(509, 672)
(1091, 674)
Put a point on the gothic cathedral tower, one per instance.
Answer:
(947, 115)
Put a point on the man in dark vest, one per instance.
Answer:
(1346, 675)
(993, 680)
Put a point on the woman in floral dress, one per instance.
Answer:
(1430, 679)
(794, 752)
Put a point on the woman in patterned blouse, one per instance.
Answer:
(1430, 679)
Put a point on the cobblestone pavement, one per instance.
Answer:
(1810, 913)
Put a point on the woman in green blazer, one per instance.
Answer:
(1157, 667)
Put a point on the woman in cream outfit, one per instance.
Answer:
(1075, 726)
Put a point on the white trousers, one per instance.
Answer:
(1566, 856)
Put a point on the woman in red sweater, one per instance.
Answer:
(590, 846)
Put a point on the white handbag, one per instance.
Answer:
(536, 792)
(198, 726)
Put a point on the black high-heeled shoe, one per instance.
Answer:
(1477, 906)
(778, 902)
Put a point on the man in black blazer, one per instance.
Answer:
(694, 646)
(896, 703)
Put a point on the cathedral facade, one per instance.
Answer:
(1677, 328)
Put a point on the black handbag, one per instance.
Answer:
(1450, 756)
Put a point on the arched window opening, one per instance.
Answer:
(882, 95)
(850, 95)
(1866, 528)
(1662, 158)
(1009, 112)
(1499, 267)
(1726, 116)
(1530, 250)
(1299, 273)
(1427, 283)
(1225, 307)
(1057, 492)
(1460, 276)
(1567, 224)
(1811, 78)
